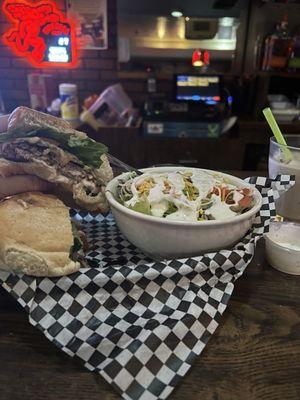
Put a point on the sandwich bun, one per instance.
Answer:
(36, 236)
(27, 119)
(16, 184)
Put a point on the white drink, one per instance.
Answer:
(288, 205)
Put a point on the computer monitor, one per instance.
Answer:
(198, 88)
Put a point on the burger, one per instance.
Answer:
(37, 237)
(49, 151)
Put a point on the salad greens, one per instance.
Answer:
(184, 195)
(171, 209)
(142, 206)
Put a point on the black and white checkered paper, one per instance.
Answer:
(137, 322)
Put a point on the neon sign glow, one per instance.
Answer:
(40, 33)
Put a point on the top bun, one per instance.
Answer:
(27, 119)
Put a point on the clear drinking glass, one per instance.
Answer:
(288, 205)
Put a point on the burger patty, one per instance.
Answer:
(25, 152)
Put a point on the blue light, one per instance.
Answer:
(196, 97)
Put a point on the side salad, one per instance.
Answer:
(184, 195)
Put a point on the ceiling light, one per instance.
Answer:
(176, 13)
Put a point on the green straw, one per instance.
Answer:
(277, 133)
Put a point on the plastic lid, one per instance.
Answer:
(68, 88)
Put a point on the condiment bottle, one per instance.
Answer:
(69, 102)
(278, 46)
(294, 61)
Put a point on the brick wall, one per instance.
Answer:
(95, 71)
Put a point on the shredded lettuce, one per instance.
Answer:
(86, 150)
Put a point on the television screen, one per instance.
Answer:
(202, 88)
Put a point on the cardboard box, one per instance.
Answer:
(42, 90)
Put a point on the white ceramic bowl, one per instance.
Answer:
(283, 247)
(166, 239)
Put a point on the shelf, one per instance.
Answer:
(279, 5)
(166, 76)
(142, 75)
(252, 123)
(283, 74)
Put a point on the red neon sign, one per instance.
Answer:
(40, 33)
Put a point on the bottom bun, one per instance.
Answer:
(36, 236)
(25, 261)
(16, 184)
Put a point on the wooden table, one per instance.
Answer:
(254, 355)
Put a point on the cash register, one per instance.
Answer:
(196, 109)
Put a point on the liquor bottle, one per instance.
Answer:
(151, 81)
(294, 61)
(278, 46)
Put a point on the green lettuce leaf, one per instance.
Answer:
(86, 150)
(142, 206)
(171, 209)
(77, 244)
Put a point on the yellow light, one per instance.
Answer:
(180, 28)
(187, 18)
(161, 27)
(198, 63)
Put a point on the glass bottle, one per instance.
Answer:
(278, 46)
(294, 61)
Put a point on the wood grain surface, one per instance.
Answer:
(254, 355)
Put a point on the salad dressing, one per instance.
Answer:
(203, 183)
(185, 195)
(220, 210)
(184, 214)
